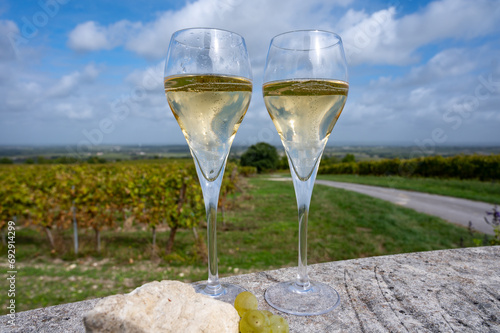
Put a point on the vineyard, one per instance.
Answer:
(482, 167)
(140, 207)
(104, 197)
(65, 199)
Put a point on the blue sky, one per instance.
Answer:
(89, 73)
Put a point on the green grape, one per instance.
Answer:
(267, 313)
(278, 324)
(245, 327)
(255, 321)
(245, 301)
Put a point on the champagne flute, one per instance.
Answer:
(208, 87)
(305, 89)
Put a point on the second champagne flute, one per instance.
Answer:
(208, 87)
(305, 89)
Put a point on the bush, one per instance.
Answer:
(247, 171)
(96, 160)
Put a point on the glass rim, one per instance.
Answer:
(326, 32)
(178, 32)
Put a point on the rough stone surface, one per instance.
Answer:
(58, 318)
(166, 306)
(436, 291)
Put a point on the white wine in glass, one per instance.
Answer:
(305, 89)
(208, 87)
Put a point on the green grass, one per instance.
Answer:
(259, 233)
(467, 189)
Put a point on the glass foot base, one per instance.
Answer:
(225, 292)
(288, 297)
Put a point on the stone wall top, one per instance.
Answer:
(437, 291)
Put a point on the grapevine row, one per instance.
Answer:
(97, 196)
(482, 167)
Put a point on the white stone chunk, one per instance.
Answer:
(166, 306)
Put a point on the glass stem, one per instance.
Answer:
(211, 191)
(303, 192)
(213, 268)
(302, 277)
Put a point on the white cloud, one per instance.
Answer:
(74, 111)
(381, 37)
(146, 92)
(447, 63)
(450, 19)
(91, 36)
(257, 21)
(406, 103)
(69, 83)
(441, 93)
(384, 38)
(26, 93)
(8, 38)
(149, 78)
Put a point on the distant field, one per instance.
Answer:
(487, 191)
(20, 154)
(259, 233)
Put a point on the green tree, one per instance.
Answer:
(349, 158)
(283, 163)
(262, 155)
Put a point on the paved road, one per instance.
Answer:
(455, 210)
